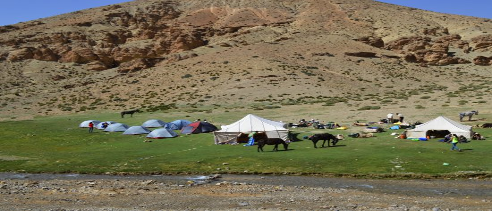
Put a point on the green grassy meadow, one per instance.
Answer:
(57, 145)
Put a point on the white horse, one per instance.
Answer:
(469, 114)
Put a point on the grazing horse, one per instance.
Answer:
(469, 114)
(131, 112)
(487, 125)
(272, 141)
(326, 137)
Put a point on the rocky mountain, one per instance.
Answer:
(162, 54)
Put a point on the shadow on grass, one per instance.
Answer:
(281, 150)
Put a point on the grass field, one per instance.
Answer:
(57, 145)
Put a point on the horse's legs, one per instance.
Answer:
(469, 117)
(275, 148)
(122, 115)
(324, 141)
(334, 142)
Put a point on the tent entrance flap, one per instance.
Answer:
(437, 133)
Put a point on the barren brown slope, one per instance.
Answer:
(151, 53)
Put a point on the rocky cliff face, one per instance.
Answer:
(117, 36)
(149, 48)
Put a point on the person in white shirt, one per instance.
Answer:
(390, 118)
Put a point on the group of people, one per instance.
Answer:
(91, 126)
(392, 117)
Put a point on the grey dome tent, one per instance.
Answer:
(116, 127)
(136, 130)
(177, 124)
(86, 123)
(100, 124)
(162, 133)
(154, 123)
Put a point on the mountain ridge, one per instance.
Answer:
(152, 54)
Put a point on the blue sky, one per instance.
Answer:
(14, 11)
(476, 8)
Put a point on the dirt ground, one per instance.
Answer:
(238, 192)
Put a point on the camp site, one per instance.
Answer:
(173, 143)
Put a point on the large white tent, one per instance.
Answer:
(440, 124)
(250, 123)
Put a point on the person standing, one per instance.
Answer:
(91, 127)
(400, 117)
(454, 142)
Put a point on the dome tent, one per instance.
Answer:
(440, 125)
(162, 133)
(136, 130)
(248, 124)
(198, 127)
(177, 124)
(86, 123)
(154, 123)
(116, 127)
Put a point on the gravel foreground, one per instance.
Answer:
(236, 192)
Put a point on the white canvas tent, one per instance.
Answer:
(440, 124)
(250, 123)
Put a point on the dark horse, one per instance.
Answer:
(469, 114)
(326, 137)
(262, 140)
(272, 141)
(131, 112)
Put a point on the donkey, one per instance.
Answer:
(469, 114)
(131, 112)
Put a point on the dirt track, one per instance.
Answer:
(86, 192)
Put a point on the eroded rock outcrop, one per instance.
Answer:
(428, 51)
(483, 61)
(122, 35)
(482, 42)
(372, 41)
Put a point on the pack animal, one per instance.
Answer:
(487, 125)
(326, 137)
(272, 141)
(131, 112)
(469, 114)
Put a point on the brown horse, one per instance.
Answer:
(131, 112)
(262, 139)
